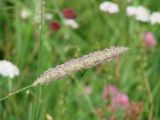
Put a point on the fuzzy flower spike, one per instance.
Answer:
(75, 65)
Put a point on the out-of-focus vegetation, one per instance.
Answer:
(35, 45)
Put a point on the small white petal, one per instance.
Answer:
(71, 23)
(8, 69)
(109, 7)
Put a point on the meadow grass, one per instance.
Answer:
(34, 50)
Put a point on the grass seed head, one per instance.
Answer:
(82, 63)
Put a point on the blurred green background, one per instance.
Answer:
(34, 50)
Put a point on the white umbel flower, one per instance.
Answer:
(155, 18)
(131, 11)
(143, 14)
(8, 69)
(71, 23)
(24, 13)
(139, 12)
(109, 7)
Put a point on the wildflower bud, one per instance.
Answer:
(69, 13)
(55, 26)
(149, 40)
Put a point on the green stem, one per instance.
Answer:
(9, 84)
(151, 99)
(16, 92)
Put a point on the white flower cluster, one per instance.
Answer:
(155, 18)
(109, 7)
(140, 13)
(143, 14)
(8, 69)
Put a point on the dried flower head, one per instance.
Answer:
(75, 65)
(133, 111)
